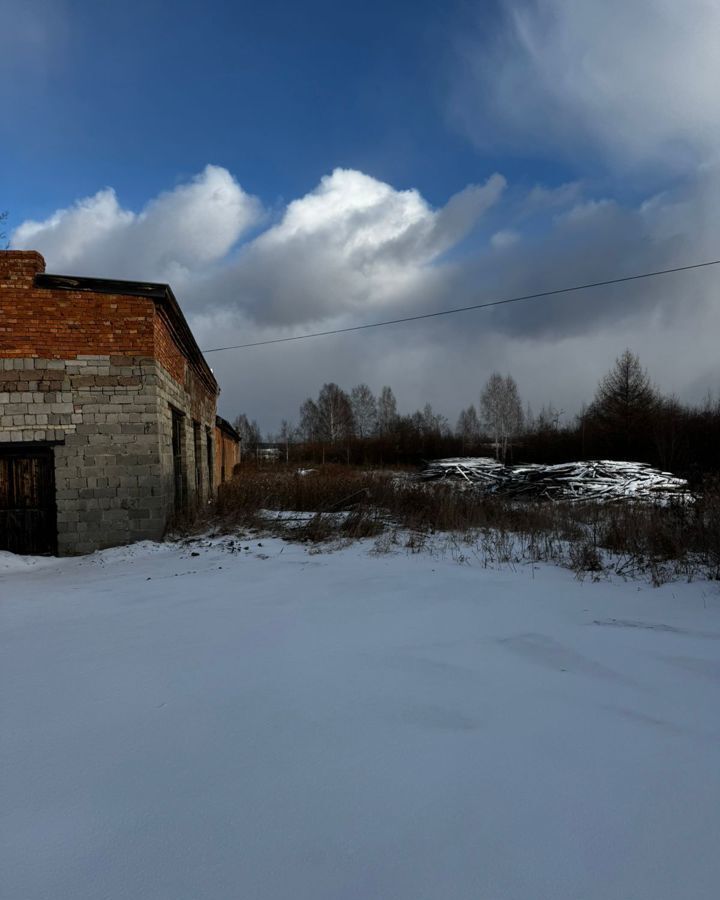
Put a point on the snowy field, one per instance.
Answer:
(276, 725)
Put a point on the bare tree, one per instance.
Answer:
(335, 417)
(364, 409)
(387, 411)
(501, 411)
(432, 422)
(468, 427)
(287, 436)
(548, 419)
(249, 432)
(309, 420)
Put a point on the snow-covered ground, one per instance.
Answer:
(272, 724)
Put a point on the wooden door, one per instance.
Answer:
(28, 516)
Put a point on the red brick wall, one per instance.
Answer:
(166, 351)
(226, 445)
(42, 323)
(36, 322)
(19, 267)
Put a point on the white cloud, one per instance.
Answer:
(633, 81)
(589, 210)
(72, 236)
(193, 225)
(357, 250)
(557, 348)
(504, 238)
(353, 243)
(541, 197)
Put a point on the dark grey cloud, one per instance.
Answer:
(356, 250)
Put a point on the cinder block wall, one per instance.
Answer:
(107, 412)
(101, 412)
(197, 406)
(180, 386)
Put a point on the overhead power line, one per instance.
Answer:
(461, 309)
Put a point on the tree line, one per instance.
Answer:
(628, 418)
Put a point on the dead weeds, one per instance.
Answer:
(341, 503)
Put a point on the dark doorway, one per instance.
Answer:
(28, 515)
(178, 434)
(197, 444)
(210, 462)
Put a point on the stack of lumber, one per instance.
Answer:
(603, 480)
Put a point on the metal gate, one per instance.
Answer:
(28, 516)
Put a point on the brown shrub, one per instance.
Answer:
(350, 503)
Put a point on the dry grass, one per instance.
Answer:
(631, 539)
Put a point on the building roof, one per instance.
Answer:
(227, 428)
(160, 294)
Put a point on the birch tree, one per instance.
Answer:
(501, 411)
(335, 417)
(468, 427)
(309, 420)
(249, 432)
(364, 409)
(287, 436)
(387, 411)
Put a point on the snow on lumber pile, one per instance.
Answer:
(482, 471)
(605, 480)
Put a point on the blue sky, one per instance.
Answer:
(139, 95)
(302, 166)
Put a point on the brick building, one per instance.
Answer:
(107, 411)
(227, 450)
